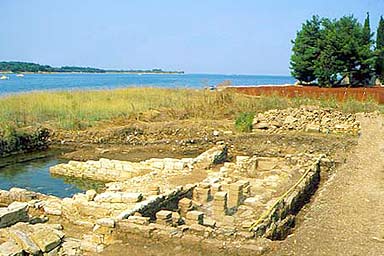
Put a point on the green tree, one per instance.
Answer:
(366, 58)
(306, 51)
(379, 68)
(343, 52)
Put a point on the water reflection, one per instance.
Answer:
(34, 175)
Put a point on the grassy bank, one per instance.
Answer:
(80, 109)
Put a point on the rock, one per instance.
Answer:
(22, 239)
(139, 220)
(10, 248)
(312, 128)
(195, 217)
(71, 247)
(290, 120)
(163, 214)
(91, 246)
(15, 212)
(46, 239)
(36, 220)
(53, 207)
(118, 197)
(90, 194)
(106, 222)
(261, 126)
(209, 222)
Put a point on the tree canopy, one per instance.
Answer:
(333, 52)
(379, 67)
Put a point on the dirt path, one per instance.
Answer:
(347, 214)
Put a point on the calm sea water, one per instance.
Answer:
(33, 82)
(34, 175)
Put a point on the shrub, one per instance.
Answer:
(244, 122)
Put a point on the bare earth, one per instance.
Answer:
(346, 216)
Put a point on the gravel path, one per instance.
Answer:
(347, 215)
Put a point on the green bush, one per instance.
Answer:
(244, 121)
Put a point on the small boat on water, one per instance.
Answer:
(4, 78)
(20, 75)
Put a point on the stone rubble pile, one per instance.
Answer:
(22, 234)
(308, 119)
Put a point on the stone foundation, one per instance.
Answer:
(237, 203)
(114, 170)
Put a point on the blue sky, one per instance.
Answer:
(197, 36)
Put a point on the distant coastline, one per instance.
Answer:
(10, 67)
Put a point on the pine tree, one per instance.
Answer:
(366, 61)
(380, 50)
(306, 51)
(367, 30)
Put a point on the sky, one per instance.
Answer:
(197, 36)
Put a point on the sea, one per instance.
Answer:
(82, 81)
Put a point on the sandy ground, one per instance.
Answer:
(346, 216)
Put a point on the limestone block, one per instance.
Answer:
(195, 217)
(209, 222)
(175, 217)
(201, 195)
(312, 128)
(10, 248)
(197, 228)
(139, 220)
(163, 214)
(131, 197)
(90, 194)
(14, 213)
(215, 188)
(106, 222)
(108, 197)
(46, 239)
(53, 207)
(89, 246)
(220, 196)
(71, 247)
(22, 239)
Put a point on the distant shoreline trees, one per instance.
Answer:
(19, 67)
(333, 53)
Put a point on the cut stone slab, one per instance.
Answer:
(24, 241)
(106, 222)
(10, 248)
(46, 239)
(118, 197)
(195, 217)
(220, 196)
(163, 215)
(139, 220)
(15, 212)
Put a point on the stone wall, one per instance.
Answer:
(114, 170)
(277, 221)
(308, 119)
(19, 195)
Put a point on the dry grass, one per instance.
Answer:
(80, 109)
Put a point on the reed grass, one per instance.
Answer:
(81, 109)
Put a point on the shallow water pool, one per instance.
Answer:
(34, 175)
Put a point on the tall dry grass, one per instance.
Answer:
(80, 109)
